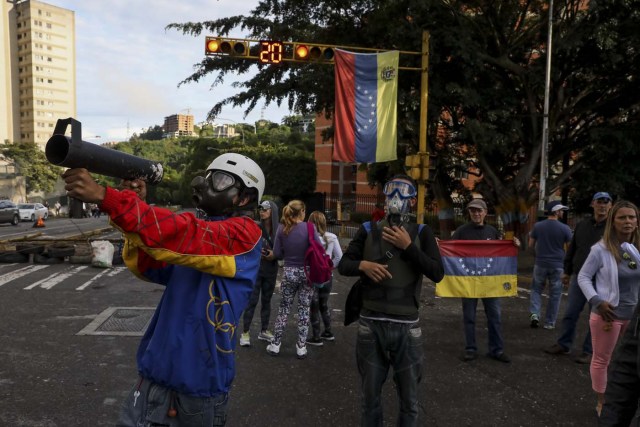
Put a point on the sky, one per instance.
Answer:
(128, 67)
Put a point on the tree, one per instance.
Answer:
(500, 47)
(289, 172)
(32, 163)
(487, 69)
(153, 133)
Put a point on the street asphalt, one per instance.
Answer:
(50, 376)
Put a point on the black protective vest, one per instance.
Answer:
(399, 295)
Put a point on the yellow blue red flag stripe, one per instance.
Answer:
(366, 106)
(478, 268)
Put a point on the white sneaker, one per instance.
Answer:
(265, 336)
(245, 339)
(273, 349)
(301, 351)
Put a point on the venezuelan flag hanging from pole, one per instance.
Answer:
(366, 106)
(478, 268)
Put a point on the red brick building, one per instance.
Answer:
(333, 177)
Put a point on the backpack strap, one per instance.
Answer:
(310, 232)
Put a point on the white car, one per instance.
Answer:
(32, 211)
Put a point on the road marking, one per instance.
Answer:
(108, 272)
(8, 277)
(50, 282)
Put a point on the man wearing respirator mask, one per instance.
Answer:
(391, 256)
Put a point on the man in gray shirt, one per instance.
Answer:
(549, 238)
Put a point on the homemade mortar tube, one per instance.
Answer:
(73, 152)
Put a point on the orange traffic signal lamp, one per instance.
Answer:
(220, 46)
(301, 52)
(315, 53)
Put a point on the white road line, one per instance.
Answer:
(108, 273)
(50, 282)
(8, 277)
(7, 265)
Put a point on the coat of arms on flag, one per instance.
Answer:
(366, 106)
(478, 268)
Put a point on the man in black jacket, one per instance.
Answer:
(391, 257)
(585, 235)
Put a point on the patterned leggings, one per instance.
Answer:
(294, 280)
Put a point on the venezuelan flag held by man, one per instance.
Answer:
(478, 268)
(366, 106)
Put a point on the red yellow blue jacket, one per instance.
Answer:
(208, 268)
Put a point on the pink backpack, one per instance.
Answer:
(317, 264)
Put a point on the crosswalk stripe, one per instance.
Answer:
(50, 282)
(8, 277)
(108, 273)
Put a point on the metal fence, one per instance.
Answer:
(345, 213)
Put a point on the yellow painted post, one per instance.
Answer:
(423, 151)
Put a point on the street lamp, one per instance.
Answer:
(544, 169)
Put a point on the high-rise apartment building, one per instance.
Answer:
(38, 69)
(178, 125)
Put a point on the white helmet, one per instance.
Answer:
(242, 167)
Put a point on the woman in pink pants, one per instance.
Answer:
(613, 295)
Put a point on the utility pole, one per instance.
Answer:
(544, 152)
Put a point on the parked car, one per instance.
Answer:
(9, 212)
(33, 211)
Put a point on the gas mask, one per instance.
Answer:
(398, 202)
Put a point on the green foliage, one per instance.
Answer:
(33, 165)
(153, 133)
(487, 67)
(172, 153)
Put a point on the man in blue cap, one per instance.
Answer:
(549, 238)
(586, 234)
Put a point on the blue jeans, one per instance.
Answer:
(575, 305)
(381, 344)
(555, 293)
(492, 311)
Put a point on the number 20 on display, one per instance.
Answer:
(270, 52)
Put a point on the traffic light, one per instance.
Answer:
(419, 166)
(301, 52)
(220, 46)
(313, 53)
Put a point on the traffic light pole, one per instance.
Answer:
(423, 150)
(274, 52)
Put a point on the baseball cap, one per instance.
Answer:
(556, 206)
(602, 195)
(265, 205)
(477, 203)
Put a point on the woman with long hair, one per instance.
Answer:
(320, 301)
(291, 242)
(613, 295)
